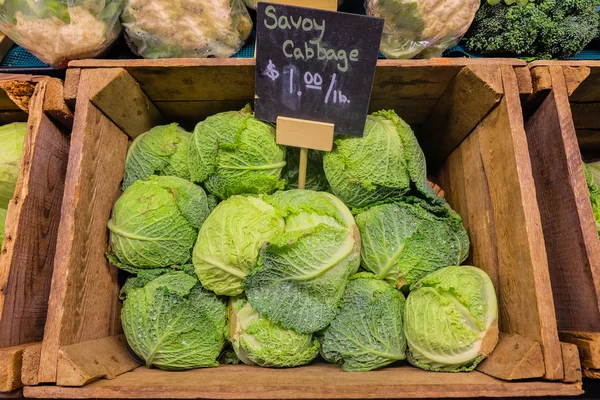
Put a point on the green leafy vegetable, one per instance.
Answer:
(155, 222)
(163, 150)
(302, 273)
(542, 28)
(386, 162)
(368, 332)
(234, 153)
(230, 239)
(173, 323)
(258, 341)
(451, 320)
(406, 239)
(12, 137)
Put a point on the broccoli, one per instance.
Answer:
(542, 29)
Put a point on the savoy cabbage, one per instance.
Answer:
(171, 322)
(368, 332)
(230, 239)
(234, 153)
(302, 273)
(406, 238)
(258, 341)
(386, 162)
(451, 319)
(155, 222)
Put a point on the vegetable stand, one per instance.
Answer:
(33, 215)
(563, 131)
(467, 114)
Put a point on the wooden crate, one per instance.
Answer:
(32, 221)
(563, 130)
(468, 117)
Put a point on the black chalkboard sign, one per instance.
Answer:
(315, 65)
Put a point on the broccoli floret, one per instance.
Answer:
(542, 28)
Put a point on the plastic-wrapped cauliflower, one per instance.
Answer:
(57, 31)
(421, 28)
(186, 29)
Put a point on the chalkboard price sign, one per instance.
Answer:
(315, 65)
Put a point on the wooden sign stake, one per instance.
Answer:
(306, 135)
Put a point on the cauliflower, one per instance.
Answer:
(421, 28)
(57, 32)
(191, 28)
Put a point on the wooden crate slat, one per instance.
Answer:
(585, 82)
(525, 294)
(571, 238)
(10, 368)
(589, 142)
(311, 382)
(84, 296)
(31, 227)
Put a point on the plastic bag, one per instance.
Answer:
(186, 28)
(57, 31)
(421, 28)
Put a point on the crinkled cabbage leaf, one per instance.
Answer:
(386, 162)
(592, 177)
(451, 320)
(234, 153)
(258, 341)
(173, 323)
(230, 239)
(315, 176)
(368, 332)
(155, 222)
(163, 150)
(301, 274)
(405, 239)
(12, 137)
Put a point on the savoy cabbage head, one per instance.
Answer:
(155, 222)
(406, 238)
(171, 322)
(592, 178)
(368, 332)
(163, 150)
(451, 320)
(258, 341)
(230, 239)
(315, 176)
(386, 162)
(234, 153)
(12, 137)
(302, 273)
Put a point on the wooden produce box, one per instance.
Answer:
(468, 117)
(563, 130)
(32, 221)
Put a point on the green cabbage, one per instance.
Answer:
(172, 323)
(406, 239)
(258, 341)
(301, 274)
(386, 162)
(592, 177)
(163, 150)
(368, 332)
(155, 222)
(451, 320)
(12, 137)
(230, 239)
(234, 153)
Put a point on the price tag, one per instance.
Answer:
(315, 65)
